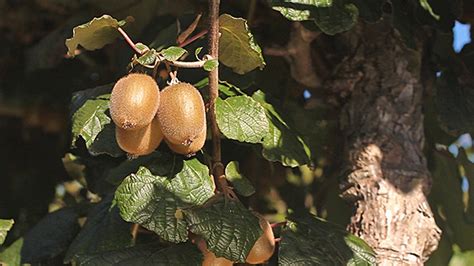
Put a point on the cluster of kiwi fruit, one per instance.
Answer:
(261, 251)
(144, 116)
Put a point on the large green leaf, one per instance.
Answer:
(331, 16)
(11, 256)
(104, 231)
(176, 255)
(5, 226)
(155, 201)
(230, 230)
(308, 240)
(94, 34)
(240, 183)
(282, 143)
(89, 120)
(173, 53)
(242, 118)
(237, 48)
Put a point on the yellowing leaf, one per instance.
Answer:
(237, 48)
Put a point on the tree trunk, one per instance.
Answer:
(382, 122)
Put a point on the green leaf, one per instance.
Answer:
(461, 258)
(225, 88)
(152, 254)
(79, 98)
(209, 65)
(281, 143)
(230, 230)
(337, 18)
(50, 236)
(241, 184)
(94, 34)
(237, 48)
(5, 226)
(298, 10)
(331, 16)
(89, 120)
(148, 58)
(242, 118)
(173, 53)
(308, 240)
(197, 52)
(427, 7)
(106, 143)
(11, 256)
(155, 201)
(104, 231)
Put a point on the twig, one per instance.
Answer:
(183, 64)
(217, 166)
(193, 38)
(185, 34)
(129, 41)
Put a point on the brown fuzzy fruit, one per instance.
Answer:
(134, 101)
(191, 149)
(182, 114)
(140, 141)
(264, 247)
(210, 258)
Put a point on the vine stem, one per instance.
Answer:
(129, 41)
(213, 35)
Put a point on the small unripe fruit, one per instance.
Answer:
(182, 114)
(264, 247)
(141, 141)
(134, 101)
(191, 149)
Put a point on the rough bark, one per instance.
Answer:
(382, 122)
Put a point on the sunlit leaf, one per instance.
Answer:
(173, 53)
(153, 200)
(230, 230)
(242, 118)
(237, 48)
(5, 226)
(94, 34)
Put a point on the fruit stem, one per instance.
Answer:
(129, 41)
(217, 167)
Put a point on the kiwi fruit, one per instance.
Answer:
(140, 141)
(134, 101)
(264, 247)
(210, 258)
(182, 114)
(190, 149)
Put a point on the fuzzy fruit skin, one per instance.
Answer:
(134, 101)
(264, 247)
(210, 258)
(141, 141)
(189, 150)
(182, 114)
